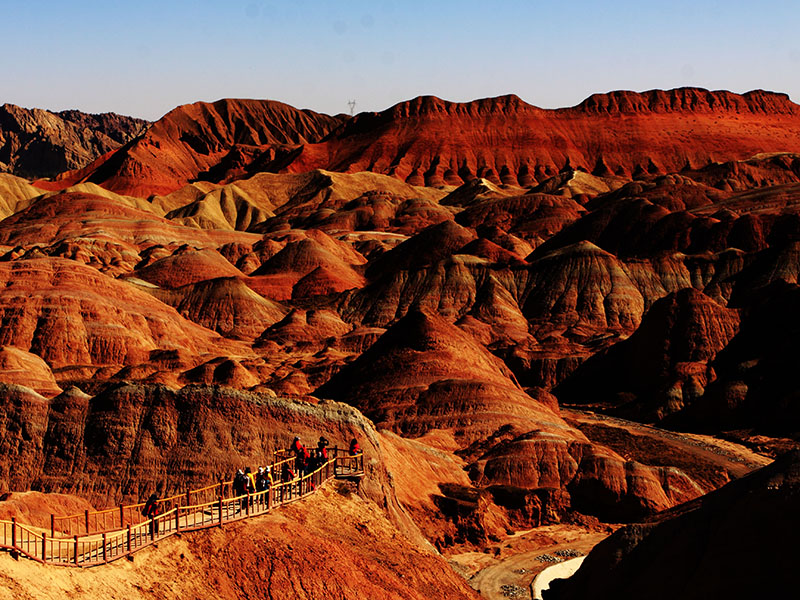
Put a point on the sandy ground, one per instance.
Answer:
(150, 574)
(513, 562)
(559, 571)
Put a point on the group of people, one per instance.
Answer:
(309, 461)
(246, 482)
(305, 462)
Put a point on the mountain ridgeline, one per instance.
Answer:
(581, 316)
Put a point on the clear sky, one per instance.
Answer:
(144, 58)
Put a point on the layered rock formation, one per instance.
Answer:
(506, 140)
(129, 440)
(429, 141)
(70, 314)
(711, 547)
(667, 361)
(38, 143)
(425, 376)
(207, 141)
(455, 271)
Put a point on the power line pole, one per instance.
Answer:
(352, 105)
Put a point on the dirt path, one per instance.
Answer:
(508, 569)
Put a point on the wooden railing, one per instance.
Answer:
(98, 537)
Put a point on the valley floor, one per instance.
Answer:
(507, 569)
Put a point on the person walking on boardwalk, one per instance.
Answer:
(303, 462)
(287, 476)
(322, 449)
(268, 475)
(355, 451)
(251, 480)
(262, 484)
(240, 483)
(301, 456)
(151, 511)
(250, 488)
(296, 446)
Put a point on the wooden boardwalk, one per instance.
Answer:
(99, 537)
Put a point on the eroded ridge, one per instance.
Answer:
(99, 537)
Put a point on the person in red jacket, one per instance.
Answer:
(151, 510)
(296, 445)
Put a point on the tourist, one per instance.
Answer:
(151, 511)
(240, 483)
(287, 476)
(261, 480)
(322, 449)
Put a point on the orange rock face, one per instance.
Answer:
(431, 141)
(425, 374)
(428, 141)
(453, 271)
(207, 140)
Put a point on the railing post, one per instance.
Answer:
(129, 539)
(44, 547)
(188, 498)
(121, 516)
(52, 525)
(178, 519)
(247, 508)
(220, 510)
(76, 550)
(13, 532)
(87, 521)
(105, 556)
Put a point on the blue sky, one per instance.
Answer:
(144, 58)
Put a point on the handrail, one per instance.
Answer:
(106, 545)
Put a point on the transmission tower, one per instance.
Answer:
(352, 105)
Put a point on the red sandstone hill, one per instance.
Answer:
(429, 141)
(40, 143)
(432, 141)
(71, 315)
(664, 366)
(424, 376)
(205, 141)
(129, 439)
